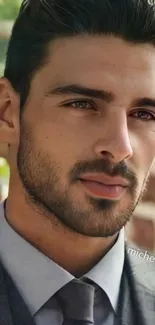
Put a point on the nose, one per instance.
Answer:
(115, 141)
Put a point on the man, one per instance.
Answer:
(77, 107)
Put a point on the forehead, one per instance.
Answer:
(93, 60)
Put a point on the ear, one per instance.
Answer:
(9, 113)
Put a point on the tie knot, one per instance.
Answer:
(77, 301)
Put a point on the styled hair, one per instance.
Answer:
(41, 21)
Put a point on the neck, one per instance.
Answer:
(74, 252)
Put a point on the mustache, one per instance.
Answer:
(104, 166)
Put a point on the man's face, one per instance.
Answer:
(65, 136)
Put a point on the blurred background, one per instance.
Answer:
(141, 229)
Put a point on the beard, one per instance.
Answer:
(62, 200)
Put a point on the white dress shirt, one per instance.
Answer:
(38, 278)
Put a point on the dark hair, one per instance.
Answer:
(41, 21)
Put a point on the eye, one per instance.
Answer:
(81, 104)
(145, 115)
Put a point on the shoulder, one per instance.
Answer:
(142, 266)
(2, 204)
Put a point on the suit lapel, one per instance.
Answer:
(136, 302)
(5, 314)
(13, 310)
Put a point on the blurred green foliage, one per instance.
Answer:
(3, 49)
(9, 9)
(4, 168)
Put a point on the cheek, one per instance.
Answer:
(142, 140)
(144, 157)
(64, 133)
(147, 150)
(60, 145)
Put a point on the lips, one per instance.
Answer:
(105, 180)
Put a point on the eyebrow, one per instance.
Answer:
(75, 89)
(144, 102)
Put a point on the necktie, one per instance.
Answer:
(77, 302)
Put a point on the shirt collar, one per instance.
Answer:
(108, 272)
(38, 278)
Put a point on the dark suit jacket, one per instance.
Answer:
(136, 301)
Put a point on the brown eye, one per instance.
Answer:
(144, 115)
(81, 105)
